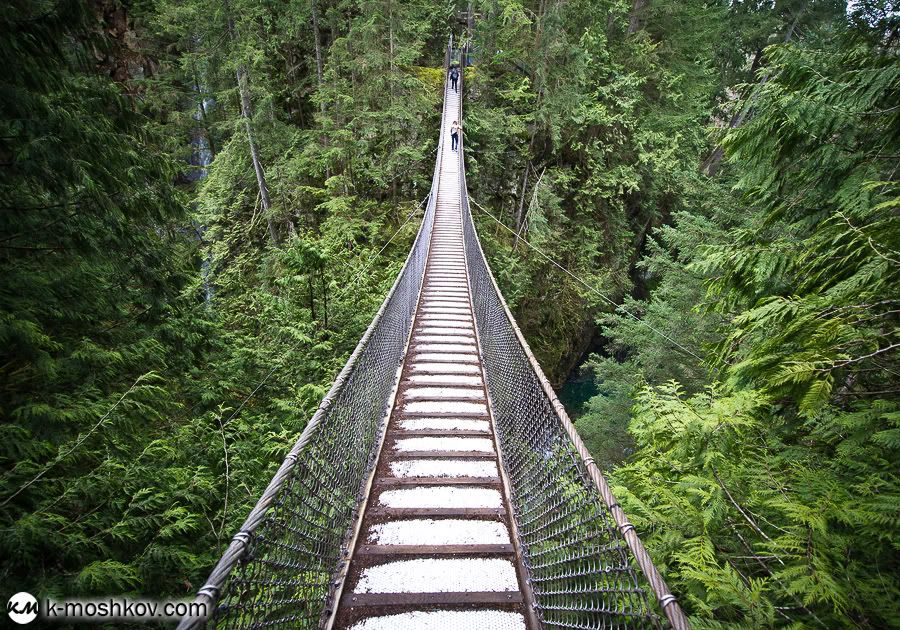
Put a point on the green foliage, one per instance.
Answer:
(817, 267)
(93, 269)
(766, 484)
(760, 521)
(582, 138)
(664, 338)
(142, 298)
(745, 339)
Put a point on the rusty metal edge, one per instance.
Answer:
(340, 580)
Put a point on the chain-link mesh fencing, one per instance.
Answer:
(581, 568)
(279, 570)
(579, 563)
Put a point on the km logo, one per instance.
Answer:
(22, 608)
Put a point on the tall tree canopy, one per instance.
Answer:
(204, 203)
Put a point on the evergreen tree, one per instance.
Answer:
(93, 266)
(780, 492)
(196, 199)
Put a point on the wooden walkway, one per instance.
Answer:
(435, 547)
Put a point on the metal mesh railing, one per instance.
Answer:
(587, 568)
(579, 564)
(280, 570)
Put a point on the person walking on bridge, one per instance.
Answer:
(454, 78)
(455, 130)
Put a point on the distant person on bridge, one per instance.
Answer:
(455, 130)
(454, 78)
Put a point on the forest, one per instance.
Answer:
(204, 203)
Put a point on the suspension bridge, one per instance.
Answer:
(440, 484)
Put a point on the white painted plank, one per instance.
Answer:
(439, 575)
(445, 424)
(447, 347)
(454, 379)
(439, 393)
(445, 620)
(444, 468)
(471, 444)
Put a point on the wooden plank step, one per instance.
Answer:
(448, 399)
(453, 360)
(391, 513)
(443, 455)
(437, 433)
(431, 599)
(462, 415)
(438, 481)
(435, 550)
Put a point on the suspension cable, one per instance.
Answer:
(589, 287)
(79, 442)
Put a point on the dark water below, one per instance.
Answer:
(576, 391)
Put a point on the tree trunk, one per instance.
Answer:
(523, 221)
(521, 207)
(637, 19)
(247, 113)
(320, 72)
(520, 211)
(391, 51)
(243, 82)
(317, 42)
(324, 297)
(390, 35)
(539, 26)
(610, 23)
(713, 163)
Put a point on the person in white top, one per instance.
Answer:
(455, 131)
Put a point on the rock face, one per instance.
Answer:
(118, 52)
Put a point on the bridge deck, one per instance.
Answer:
(435, 547)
